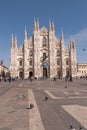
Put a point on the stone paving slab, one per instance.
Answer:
(78, 112)
(65, 94)
(13, 112)
(35, 122)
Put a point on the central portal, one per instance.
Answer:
(44, 72)
(21, 74)
(30, 74)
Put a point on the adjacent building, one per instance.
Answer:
(3, 69)
(43, 54)
(82, 69)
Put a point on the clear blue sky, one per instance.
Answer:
(69, 15)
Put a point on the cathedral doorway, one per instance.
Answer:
(30, 74)
(44, 72)
(58, 74)
(21, 74)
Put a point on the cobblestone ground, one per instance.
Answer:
(67, 103)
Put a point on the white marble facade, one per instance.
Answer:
(43, 54)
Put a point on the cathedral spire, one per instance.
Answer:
(52, 24)
(62, 38)
(49, 25)
(12, 39)
(25, 34)
(72, 44)
(15, 41)
(62, 35)
(37, 24)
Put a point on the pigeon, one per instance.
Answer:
(81, 128)
(71, 127)
(46, 98)
(30, 106)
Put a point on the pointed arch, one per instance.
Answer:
(44, 41)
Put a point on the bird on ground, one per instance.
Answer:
(71, 127)
(46, 98)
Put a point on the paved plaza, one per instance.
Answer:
(66, 104)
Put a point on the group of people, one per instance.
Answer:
(5, 79)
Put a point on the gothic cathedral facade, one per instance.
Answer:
(43, 55)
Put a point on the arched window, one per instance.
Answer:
(21, 74)
(20, 62)
(44, 41)
(59, 74)
(58, 53)
(67, 62)
(58, 62)
(30, 62)
(44, 54)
